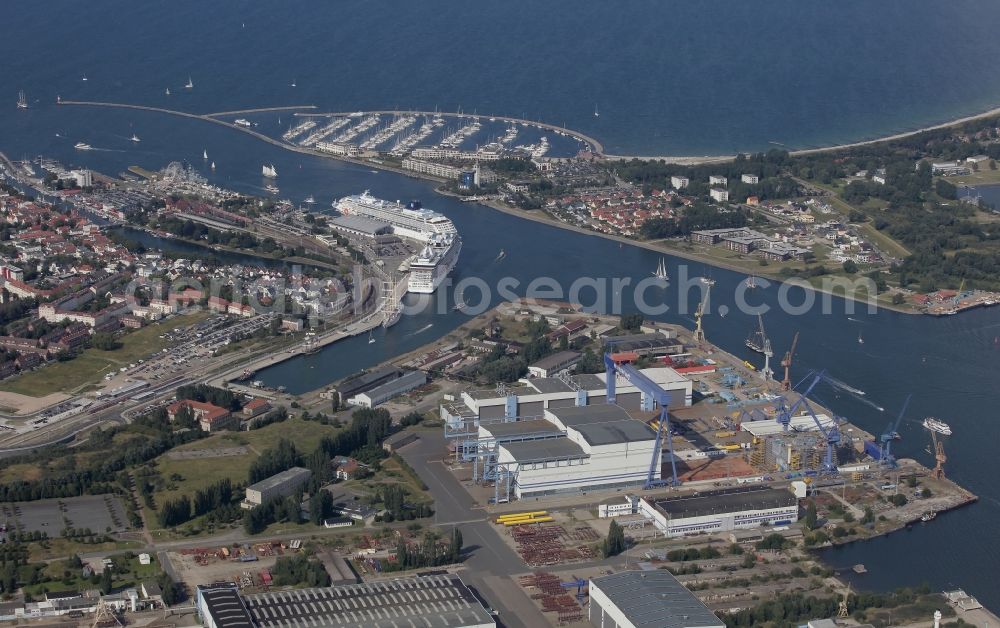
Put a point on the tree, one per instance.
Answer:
(456, 545)
(898, 298)
(107, 582)
(850, 267)
(869, 516)
(614, 544)
(105, 342)
(320, 507)
(810, 519)
(631, 322)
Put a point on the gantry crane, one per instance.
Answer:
(652, 392)
(699, 332)
(786, 363)
(891, 433)
(939, 457)
(831, 433)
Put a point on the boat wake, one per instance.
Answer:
(423, 329)
(836, 383)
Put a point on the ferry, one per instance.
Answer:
(273, 189)
(83, 146)
(935, 425)
(408, 221)
(242, 122)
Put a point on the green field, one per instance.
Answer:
(92, 364)
(198, 473)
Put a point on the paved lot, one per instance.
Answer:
(491, 563)
(97, 512)
(220, 452)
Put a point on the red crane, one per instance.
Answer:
(786, 384)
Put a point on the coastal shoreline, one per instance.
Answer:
(693, 257)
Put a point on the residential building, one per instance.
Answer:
(679, 183)
(719, 195)
(717, 179)
(750, 179)
(278, 485)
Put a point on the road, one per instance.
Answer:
(491, 563)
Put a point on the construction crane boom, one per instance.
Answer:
(891, 433)
(786, 363)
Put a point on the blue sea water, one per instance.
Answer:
(668, 78)
(706, 77)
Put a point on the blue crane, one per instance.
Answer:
(831, 433)
(886, 459)
(783, 414)
(653, 393)
(579, 583)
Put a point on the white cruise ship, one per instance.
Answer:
(408, 221)
(431, 265)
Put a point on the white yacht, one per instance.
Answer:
(83, 146)
(661, 271)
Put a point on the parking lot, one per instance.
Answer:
(96, 512)
(191, 344)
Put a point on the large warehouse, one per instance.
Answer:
(646, 599)
(530, 398)
(570, 449)
(721, 511)
(439, 601)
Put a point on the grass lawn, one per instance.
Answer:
(128, 573)
(985, 176)
(92, 364)
(198, 473)
(63, 548)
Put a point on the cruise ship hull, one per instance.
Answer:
(425, 279)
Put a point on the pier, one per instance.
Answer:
(595, 146)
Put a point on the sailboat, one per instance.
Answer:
(204, 154)
(168, 91)
(371, 336)
(597, 114)
(310, 200)
(268, 171)
(861, 340)
(22, 101)
(751, 282)
(661, 271)
(84, 78)
(189, 84)
(134, 138)
(293, 83)
(213, 165)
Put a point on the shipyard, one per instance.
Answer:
(563, 444)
